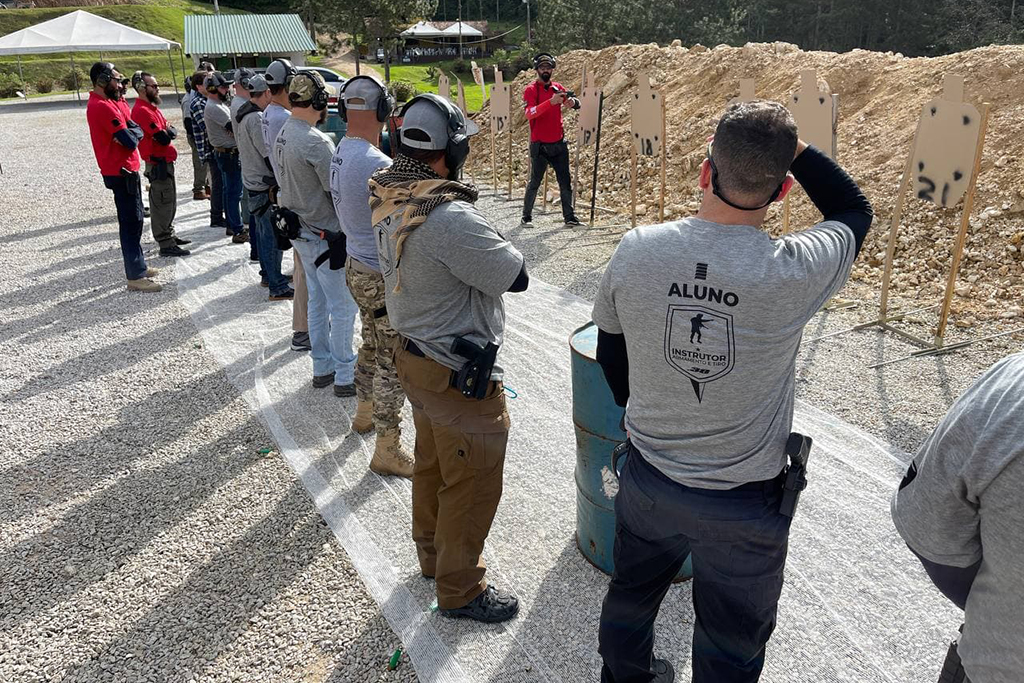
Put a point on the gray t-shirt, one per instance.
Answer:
(354, 162)
(252, 151)
(454, 269)
(274, 117)
(304, 160)
(713, 316)
(236, 104)
(217, 118)
(964, 505)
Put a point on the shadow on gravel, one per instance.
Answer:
(181, 637)
(39, 232)
(898, 430)
(102, 534)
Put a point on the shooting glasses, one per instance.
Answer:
(718, 193)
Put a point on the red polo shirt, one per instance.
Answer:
(545, 119)
(106, 117)
(152, 121)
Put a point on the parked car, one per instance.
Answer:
(332, 78)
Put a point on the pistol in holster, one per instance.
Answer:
(953, 668)
(798, 449)
(337, 250)
(160, 170)
(474, 378)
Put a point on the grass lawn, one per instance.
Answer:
(165, 18)
(418, 76)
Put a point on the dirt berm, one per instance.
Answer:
(880, 99)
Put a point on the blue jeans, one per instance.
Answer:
(263, 236)
(128, 200)
(231, 185)
(738, 542)
(216, 190)
(331, 311)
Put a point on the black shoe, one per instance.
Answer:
(300, 341)
(321, 381)
(490, 607)
(344, 390)
(145, 211)
(526, 223)
(240, 238)
(288, 277)
(174, 251)
(573, 222)
(254, 259)
(663, 671)
(264, 283)
(286, 295)
(181, 242)
(218, 223)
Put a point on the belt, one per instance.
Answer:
(356, 264)
(410, 346)
(768, 486)
(226, 150)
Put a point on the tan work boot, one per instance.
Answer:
(389, 457)
(363, 421)
(144, 285)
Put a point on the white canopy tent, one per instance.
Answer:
(460, 28)
(81, 31)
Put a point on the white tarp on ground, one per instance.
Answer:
(856, 606)
(80, 31)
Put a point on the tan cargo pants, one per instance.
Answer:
(457, 483)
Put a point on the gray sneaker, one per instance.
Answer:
(300, 342)
(491, 606)
(526, 223)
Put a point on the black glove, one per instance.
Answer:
(172, 132)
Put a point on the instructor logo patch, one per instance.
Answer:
(699, 343)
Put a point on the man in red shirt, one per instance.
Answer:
(158, 152)
(545, 99)
(115, 139)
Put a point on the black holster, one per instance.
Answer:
(798, 448)
(336, 250)
(160, 170)
(953, 668)
(474, 378)
(131, 181)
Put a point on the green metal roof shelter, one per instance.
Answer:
(233, 40)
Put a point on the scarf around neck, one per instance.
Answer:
(413, 186)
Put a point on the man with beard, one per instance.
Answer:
(217, 116)
(200, 83)
(158, 152)
(445, 270)
(115, 140)
(303, 156)
(545, 99)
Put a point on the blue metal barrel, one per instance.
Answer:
(598, 431)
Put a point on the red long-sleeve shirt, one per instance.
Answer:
(545, 119)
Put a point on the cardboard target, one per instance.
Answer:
(478, 74)
(814, 111)
(590, 105)
(947, 139)
(501, 104)
(462, 97)
(444, 87)
(646, 114)
(748, 91)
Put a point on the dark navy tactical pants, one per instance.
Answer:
(738, 542)
(127, 191)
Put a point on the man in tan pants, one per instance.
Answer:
(445, 270)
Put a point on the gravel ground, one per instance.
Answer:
(152, 540)
(143, 536)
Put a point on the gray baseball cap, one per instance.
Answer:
(279, 71)
(256, 84)
(242, 74)
(362, 93)
(430, 121)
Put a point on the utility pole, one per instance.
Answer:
(527, 3)
(216, 7)
(460, 30)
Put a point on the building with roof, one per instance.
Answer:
(435, 40)
(229, 41)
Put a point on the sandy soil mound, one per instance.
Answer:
(881, 95)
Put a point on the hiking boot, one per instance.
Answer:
(199, 196)
(300, 341)
(344, 390)
(144, 284)
(264, 284)
(663, 671)
(363, 421)
(228, 232)
(321, 381)
(491, 607)
(181, 242)
(286, 295)
(208, 191)
(573, 222)
(389, 457)
(174, 251)
(152, 272)
(241, 238)
(526, 223)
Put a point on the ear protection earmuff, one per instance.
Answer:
(385, 105)
(104, 77)
(544, 57)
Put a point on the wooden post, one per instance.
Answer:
(897, 214)
(510, 159)
(632, 186)
(494, 167)
(965, 224)
(664, 161)
(544, 203)
(597, 156)
(785, 214)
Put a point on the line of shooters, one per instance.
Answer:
(400, 242)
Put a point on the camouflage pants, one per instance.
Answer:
(376, 379)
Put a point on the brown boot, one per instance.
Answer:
(389, 457)
(363, 421)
